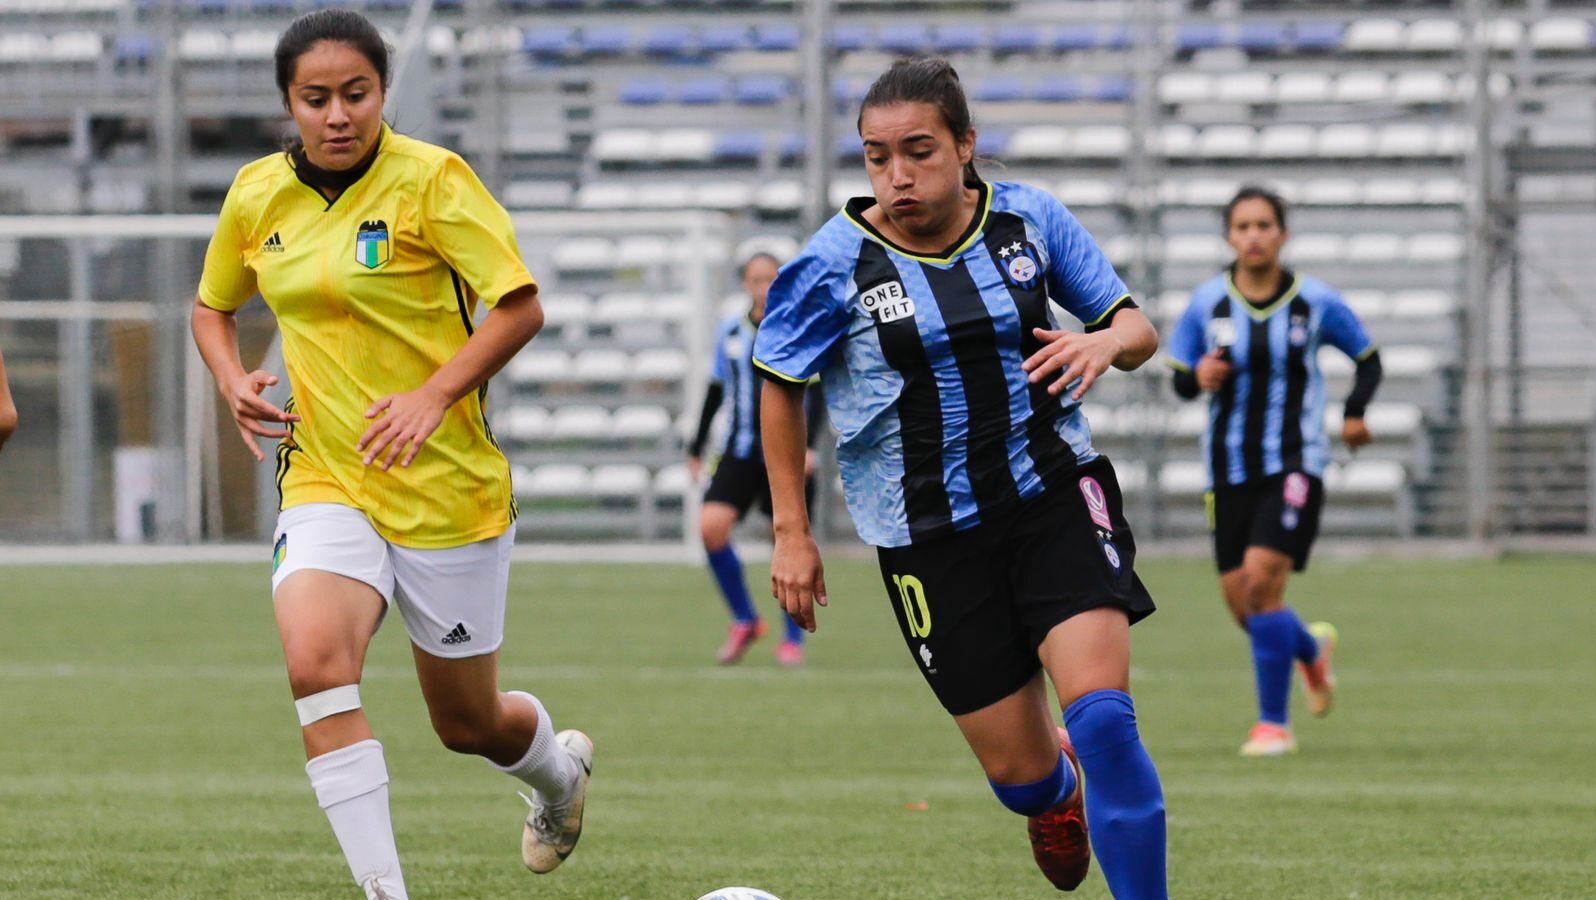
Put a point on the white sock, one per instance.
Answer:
(352, 788)
(546, 766)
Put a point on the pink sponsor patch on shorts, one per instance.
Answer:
(1297, 490)
(1096, 503)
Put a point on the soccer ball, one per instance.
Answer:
(739, 893)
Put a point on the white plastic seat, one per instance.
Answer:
(1121, 249)
(1209, 192)
(490, 39)
(254, 45)
(1394, 419)
(642, 251)
(1244, 87)
(724, 195)
(632, 422)
(665, 195)
(538, 195)
(1185, 87)
(1368, 304)
(1202, 249)
(1303, 87)
(1435, 247)
(1172, 303)
(539, 366)
(1177, 140)
(1131, 475)
(76, 46)
(845, 189)
(1392, 192)
(1405, 140)
(1100, 418)
(23, 47)
(563, 310)
(1408, 362)
(620, 480)
(601, 366)
(1286, 141)
(1423, 86)
(441, 41)
(673, 481)
(584, 255)
(605, 195)
(624, 145)
(780, 196)
(1373, 36)
(1503, 34)
(621, 307)
(557, 480)
(1330, 192)
(1334, 363)
(202, 45)
(1227, 141)
(1374, 247)
(1561, 33)
(1346, 141)
(1442, 192)
(684, 145)
(1046, 142)
(1183, 477)
(660, 365)
(579, 423)
(1316, 248)
(1452, 139)
(1188, 420)
(1362, 87)
(781, 246)
(1372, 477)
(523, 423)
(1421, 303)
(1081, 192)
(522, 140)
(1099, 142)
(1434, 35)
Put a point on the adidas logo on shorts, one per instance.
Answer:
(457, 635)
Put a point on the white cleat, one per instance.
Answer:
(552, 829)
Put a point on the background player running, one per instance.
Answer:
(372, 248)
(739, 478)
(966, 461)
(1251, 338)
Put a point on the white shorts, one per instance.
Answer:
(452, 600)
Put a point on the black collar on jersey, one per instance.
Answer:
(1262, 309)
(855, 209)
(338, 180)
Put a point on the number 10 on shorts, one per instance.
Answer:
(911, 593)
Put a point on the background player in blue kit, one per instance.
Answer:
(1251, 338)
(739, 479)
(966, 461)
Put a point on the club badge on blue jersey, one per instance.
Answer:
(1021, 264)
(1298, 333)
(371, 244)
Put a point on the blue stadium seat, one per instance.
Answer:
(1118, 37)
(958, 37)
(272, 6)
(776, 38)
(1262, 37)
(1061, 89)
(848, 146)
(643, 92)
(135, 48)
(848, 91)
(1075, 37)
(739, 146)
(1000, 89)
(549, 40)
(668, 40)
(850, 38)
(991, 143)
(703, 91)
(763, 90)
(793, 146)
(1113, 89)
(1317, 36)
(446, 4)
(564, 4)
(1200, 36)
(1016, 38)
(388, 5)
(904, 38)
(605, 40)
(722, 38)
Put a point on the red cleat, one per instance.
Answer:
(739, 637)
(1058, 837)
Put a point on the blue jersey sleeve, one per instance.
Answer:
(1342, 329)
(804, 319)
(720, 364)
(1188, 341)
(1079, 276)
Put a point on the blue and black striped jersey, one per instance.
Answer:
(1269, 418)
(733, 369)
(920, 359)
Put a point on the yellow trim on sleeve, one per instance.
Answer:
(1366, 353)
(1113, 308)
(781, 375)
(1176, 364)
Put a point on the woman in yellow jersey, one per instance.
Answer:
(372, 249)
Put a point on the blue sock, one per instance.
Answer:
(1037, 797)
(1124, 800)
(728, 571)
(1277, 639)
(1307, 646)
(795, 632)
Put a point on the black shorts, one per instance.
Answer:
(740, 483)
(1280, 512)
(975, 606)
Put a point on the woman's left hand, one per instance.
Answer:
(1079, 356)
(411, 418)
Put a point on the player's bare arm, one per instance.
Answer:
(8, 408)
(797, 577)
(216, 335)
(1129, 341)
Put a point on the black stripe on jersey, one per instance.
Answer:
(973, 340)
(1225, 399)
(285, 450)
(460, 301)
(925, 495)
(1296, 385)
(1051, 456)
(1260, 363)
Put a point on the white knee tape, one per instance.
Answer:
(330, 702)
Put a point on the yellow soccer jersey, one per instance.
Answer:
(373, 293)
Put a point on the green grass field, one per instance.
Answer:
(148, 747)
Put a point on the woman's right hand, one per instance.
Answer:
(797, 577)
(249, 410)
(1213, 371)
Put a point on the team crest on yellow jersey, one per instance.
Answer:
(371, 244)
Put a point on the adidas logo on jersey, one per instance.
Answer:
(457, 635)
(274, 244)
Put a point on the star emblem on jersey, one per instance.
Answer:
(1021, 264)
(371, 244)
(887, 302)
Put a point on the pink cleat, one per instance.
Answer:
(739, 637)
(790, 654)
